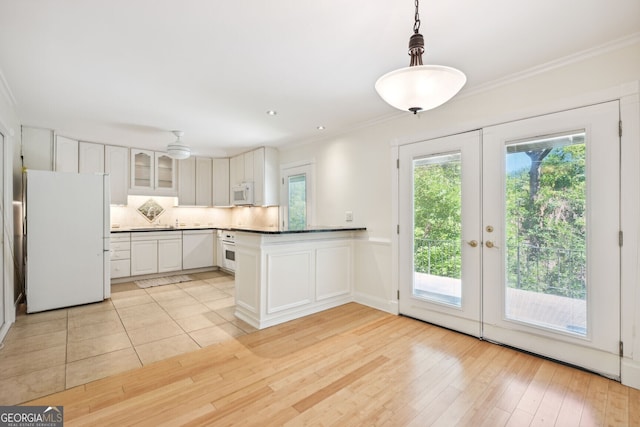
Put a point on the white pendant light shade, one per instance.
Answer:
(178, 150)
(420, 88)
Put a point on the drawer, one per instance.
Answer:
(120, 268)
(120, 254)
(120, 246)
(120, 237)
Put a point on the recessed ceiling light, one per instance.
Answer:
(272, 112)
(320, 127)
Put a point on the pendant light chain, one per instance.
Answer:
(416, 24)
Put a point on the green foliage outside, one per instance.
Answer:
(437, 207)
(297, 202)
(546, 229)
(546, 233)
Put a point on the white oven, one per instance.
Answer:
(228, 243)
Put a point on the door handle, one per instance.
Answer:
(473, 243)
(490, 244)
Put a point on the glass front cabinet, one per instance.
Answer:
(152, 173)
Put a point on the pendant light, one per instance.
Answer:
(419, 87)
(178, 150)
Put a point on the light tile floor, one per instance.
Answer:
(55, 350)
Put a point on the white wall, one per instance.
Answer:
(356, 171)
(10, 128)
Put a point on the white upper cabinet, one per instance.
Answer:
(204, 181)
(65, 154)
(152, 173)
(265, 176)
(91, 157)
(165, 173)
(221, 182)
(259, 166)
(187, 182)
(37, 151)
(236, 170)
(116, 164)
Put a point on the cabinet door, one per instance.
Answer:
(236, 170)
(37, 148)
(258, 176)
(187, 182)
(116, 164)
(142, 169)
(165, 173)
(169, 255)
(220, 182)
(66, 154)
(271, 177)
(90, 158)
(248, 167)
(197, 249)
(144, 257)
(203, 181)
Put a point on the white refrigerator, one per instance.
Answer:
(66, 228)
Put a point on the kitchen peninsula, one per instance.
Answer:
(284, 275)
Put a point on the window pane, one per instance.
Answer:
(297, 202)
(437, 228)
(546, 225)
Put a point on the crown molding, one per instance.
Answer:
(553, 65)
(6, 91)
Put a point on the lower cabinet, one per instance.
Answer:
(169, 255)
(198, 249)
(144, 257)
(120, 253)
(156, 252)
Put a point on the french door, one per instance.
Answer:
(512, 235)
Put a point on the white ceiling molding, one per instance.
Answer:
(5, 90)
(552, 65)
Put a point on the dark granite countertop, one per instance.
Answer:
(318, 229)
(258, 230)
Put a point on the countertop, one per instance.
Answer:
(266, 230)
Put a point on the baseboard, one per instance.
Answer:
(630, 375)
(377, 303)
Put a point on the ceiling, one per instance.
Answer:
(129, 71)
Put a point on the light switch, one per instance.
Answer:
(348, 216)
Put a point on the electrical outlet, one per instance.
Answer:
(348, 216)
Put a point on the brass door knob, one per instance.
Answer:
(473, 243)
(489, 244)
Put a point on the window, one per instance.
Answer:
(297, 196)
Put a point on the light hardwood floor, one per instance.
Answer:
(351, 366)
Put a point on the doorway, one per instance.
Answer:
(513, 235)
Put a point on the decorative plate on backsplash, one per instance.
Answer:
(151, 210)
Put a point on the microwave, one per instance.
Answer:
(242, 194)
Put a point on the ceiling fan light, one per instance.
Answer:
(420, 88)
(178, 151)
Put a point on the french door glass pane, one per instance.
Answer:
(297, 202)
(546, 223)
(437, 184)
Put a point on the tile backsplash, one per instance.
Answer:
(129, 216)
